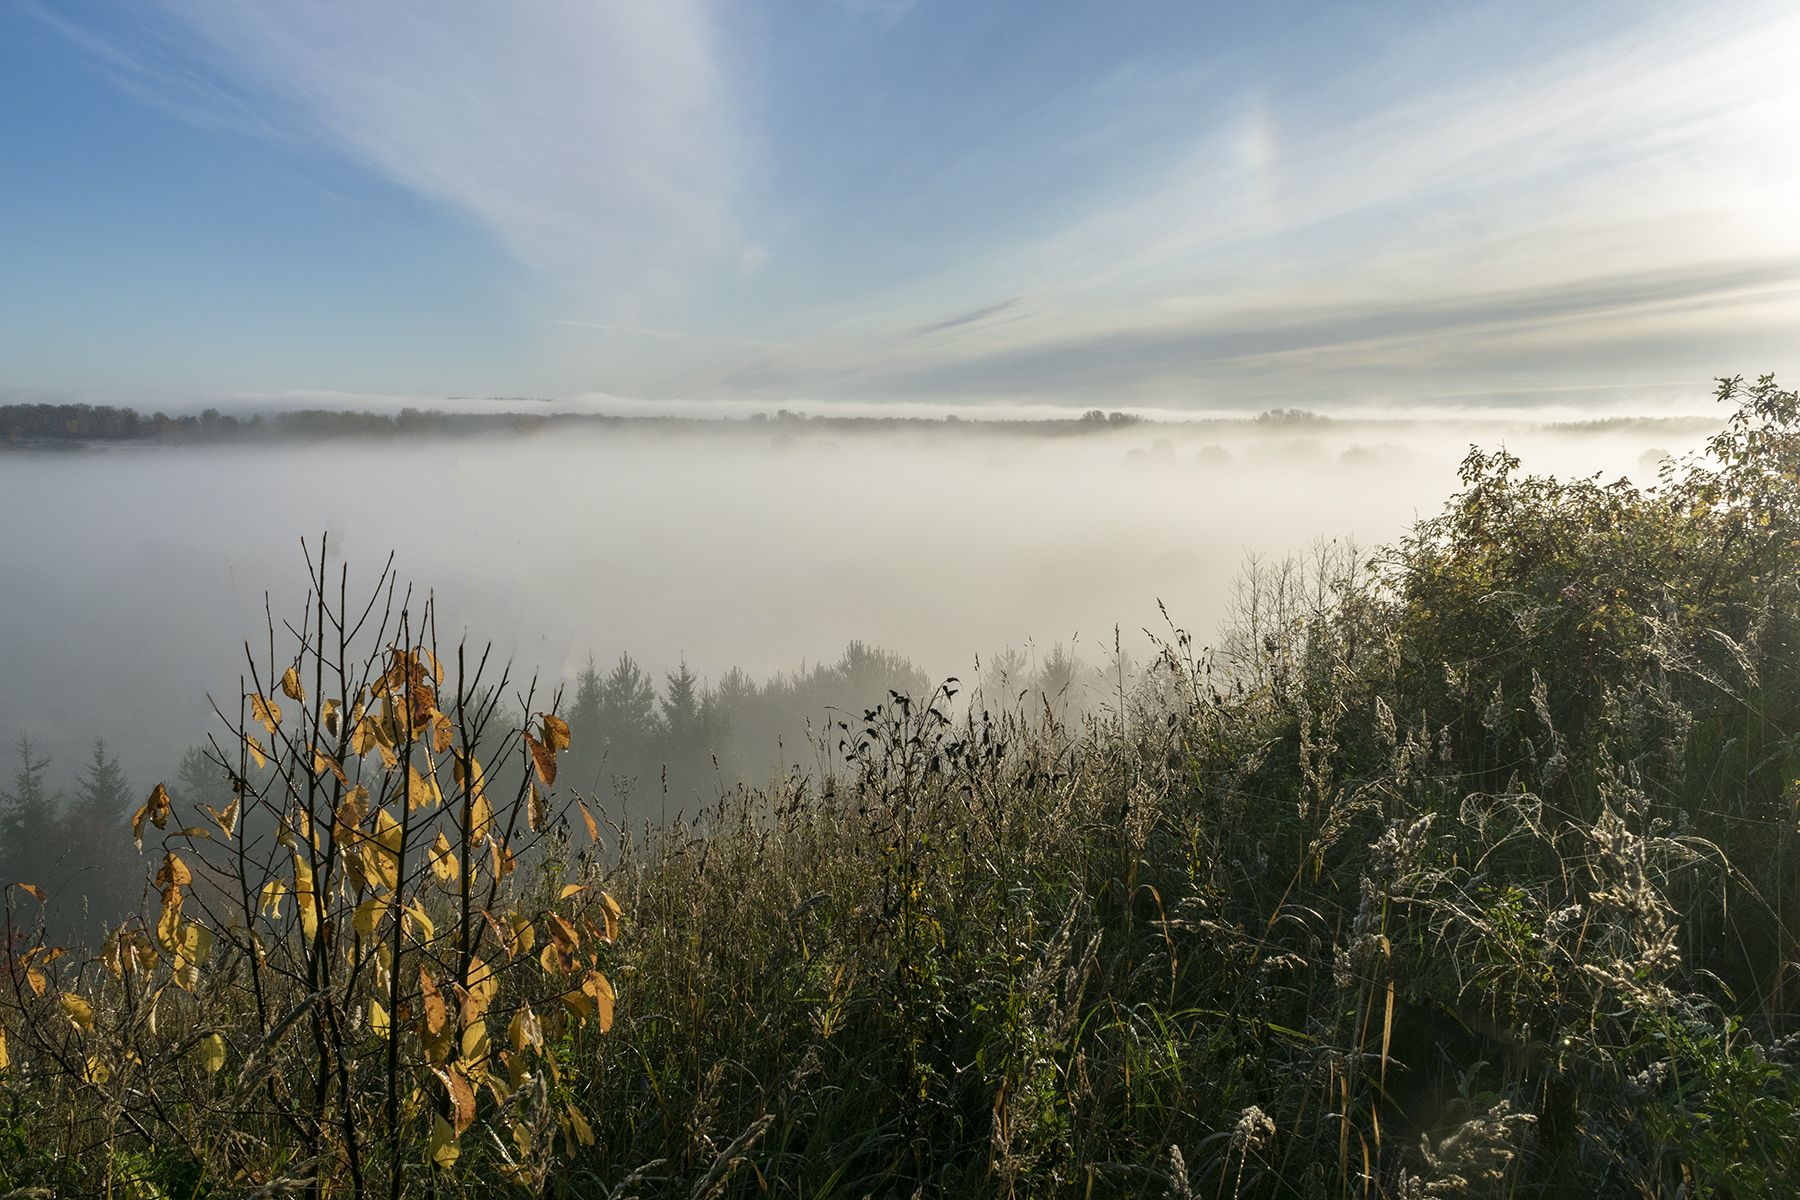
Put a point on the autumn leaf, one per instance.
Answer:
(461, 1096)
(305, 899)
(483, 986)
(437, 1013)
(196, 943)
(168, 921)
(475, 1048)
(610, 912)
(443, 859)
(367, 917)
(525, 1030)
(257, 754)
(588, 817)
(227, 820)
(556, 733)
(211, 1052)
(444, 1151)
(266, 712)
(78, 1010)
(422, 790)
(324, 764)
(581, 1130)
(384, 851)
(379, 1023)
(291, 687)
(155, 810)
(562, 932)
(542, 759)
(32, 890)
(174, 872)
(481, 818)
(600, 988)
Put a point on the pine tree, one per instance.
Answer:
(28, 822)
(105, 876)
(628, 719)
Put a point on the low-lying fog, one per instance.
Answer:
(132, 574)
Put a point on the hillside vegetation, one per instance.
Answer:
(1466, 870)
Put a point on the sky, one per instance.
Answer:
(1366, 205)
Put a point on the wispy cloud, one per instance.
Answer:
(1621, 190)
(595, 140)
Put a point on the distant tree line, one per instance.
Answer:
(643, 750)
(71, 424)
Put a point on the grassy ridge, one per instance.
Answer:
(1467, 871)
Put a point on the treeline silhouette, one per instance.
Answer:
(74, 424)
(644, 750)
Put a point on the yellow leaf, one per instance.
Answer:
(610, 912)
(155, 810)
(362, 738)
(556, 733)
(422, 790)
(481, 818)
(272, 893)
(583, 1132)
(443, 859)
(324, 764)
(328, 717)
(290, 686)
(256, 751)
(475, 1047)
(379, 1024)
(556, 959)
(597, 986)
(266, 711)
(525, 1031)
(195, 944)
(562, 932)
(212, 1053)
(5, 1058)
(174, 872)
(168, 922)
(367, 917)
(437, 1014)
(305, 899)
(95, 1070)
(227, 820)
(37, 979)
(414, 915)
(385, 850)
(571, 889)
(483, 985)
(588, 817)
(461, 1096)
(444, 1151)
(79, 1011)
(524, 935)
(32, 890)
(542, 759)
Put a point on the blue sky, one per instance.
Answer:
(1205, 206)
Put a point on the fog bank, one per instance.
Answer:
(134, 573)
